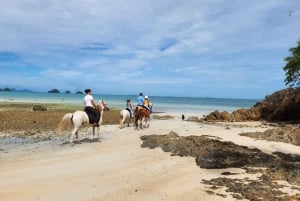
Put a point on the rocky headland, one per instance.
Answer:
(283, 105)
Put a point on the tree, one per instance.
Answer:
(292, 67)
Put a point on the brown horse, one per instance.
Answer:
(141, 115)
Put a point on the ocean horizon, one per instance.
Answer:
(200, 106)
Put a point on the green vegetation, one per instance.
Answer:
(292, 67)
(29, 106)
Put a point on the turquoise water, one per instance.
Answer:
(160, 104)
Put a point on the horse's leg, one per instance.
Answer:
(93, 133)
(121, 121)
(98, 133)
(132, 121)
(128, 121)
(148, 122)
(77, 137)
(136, 122)
(136, 118)
(145, 122)
(140, 123)
(74, 133)
(147, 119)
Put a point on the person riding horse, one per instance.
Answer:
(90, 106)
(147, 104)
(144, 102)
(140, 100)
(129, 107)
(142, 112)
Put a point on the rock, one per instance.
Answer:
(283, 105)
(39, 108)
(54, 91)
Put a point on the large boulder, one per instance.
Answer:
(283, 105)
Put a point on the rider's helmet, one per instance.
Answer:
(146, 97)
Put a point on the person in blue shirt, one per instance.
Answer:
(140, 100)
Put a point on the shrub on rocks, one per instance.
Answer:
(39, 108)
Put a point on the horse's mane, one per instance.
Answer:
(101, 106)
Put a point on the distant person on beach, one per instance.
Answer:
(140, 100)
(182, 117)
(90, 106)
(129, 107)
(147, 103)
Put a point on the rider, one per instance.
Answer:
(147, 104)
(140, 100)
(90, 106)
(129, 107)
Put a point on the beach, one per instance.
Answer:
(117, 167)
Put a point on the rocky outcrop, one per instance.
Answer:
(283, 105)
(214, 154)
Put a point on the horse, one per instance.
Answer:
(125, 115)
(80, 118)
(141, 115)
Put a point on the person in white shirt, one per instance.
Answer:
(90, 106)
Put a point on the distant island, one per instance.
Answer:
(6, 89)
(56, 91)
(15, 90)
(66, 92)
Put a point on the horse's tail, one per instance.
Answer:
(65, 121)
(136, 110)
(136, 116)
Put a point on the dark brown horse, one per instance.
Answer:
(141, 115)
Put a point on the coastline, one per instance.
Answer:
(118, 168)
(182, 105)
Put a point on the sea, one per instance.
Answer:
(161, 104)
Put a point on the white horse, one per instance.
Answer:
(125, 115)
(80, 118)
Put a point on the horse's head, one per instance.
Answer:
(102, 106)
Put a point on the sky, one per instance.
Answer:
(190, 48)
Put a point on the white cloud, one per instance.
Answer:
(168, 43)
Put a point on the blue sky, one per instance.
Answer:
(195, 48)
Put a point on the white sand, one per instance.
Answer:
(118, 169)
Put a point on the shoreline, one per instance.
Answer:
(180, 105)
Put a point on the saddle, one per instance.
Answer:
(91, 116)
(130, 111)
(148, 111)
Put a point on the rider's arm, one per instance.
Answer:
(93, 103)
